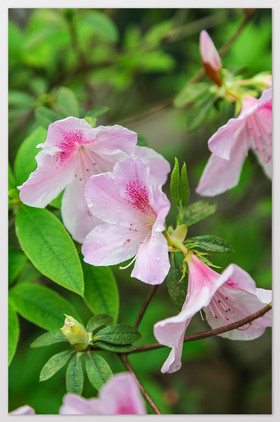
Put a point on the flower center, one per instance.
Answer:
(139, 198)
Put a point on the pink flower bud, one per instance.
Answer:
(210, 57)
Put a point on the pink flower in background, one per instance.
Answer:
(133, 208)
(210, 57)
(119, 396)
(23, 410)
(72, 152)
(224, 298)
(230, 145)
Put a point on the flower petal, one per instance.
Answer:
(112, 140)
(152, 262)
(121, 396)
(23, 410)
(208, 51)
(56, 130)
(159, 166)
(109, 244)
(77, 405)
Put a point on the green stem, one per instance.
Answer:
(175, 244)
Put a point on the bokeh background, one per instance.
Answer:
(132, 60)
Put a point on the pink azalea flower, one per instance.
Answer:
(133, 208)
(72, 152)
(225, 298)
(210, 57)
(119, 396)
(23, 410)
(230, 145)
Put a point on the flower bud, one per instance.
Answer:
(210, 58)
(75, 333)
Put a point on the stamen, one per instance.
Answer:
(139, 250)
(213, 313)
(222, 315)
(203, 319)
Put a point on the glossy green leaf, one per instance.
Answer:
(175, 184)
(41, 305)
(97, 112)
(198, 211)
(67, 102)
(118, 334)
(191, 93)
(185, 190)
(116, 348)
(51, 337)
(75, 375)
(13, 332)
(98, 370)
(49, 247)
(17, 260)
(45, 116)
(28, 274)
(98, 321)
(56, 202)
(177, 289)
(101, 291)
(25, 162)
(54, 364)
(211, 243)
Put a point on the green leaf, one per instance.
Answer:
(11, 178)
(118, 334)
(51, 337)
(45, 116)
(49, 247)
(17, 260)
(13, 335)
(199, 211)
(25, 162)
(199, 112)
(102, 25)
(20, 99)
(175, 184)
(97, 112)
(101, 291)
(56, 202)
(98, 370)
(54, 364)
(211, 243)
(142, 141)
(190, 93)
(185, 190)
(98, 322)
(28, 274)
(177, 289)
(75, 375)
(41, 305)
(67, 102)
(114, 347)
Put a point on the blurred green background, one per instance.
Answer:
(131, 60)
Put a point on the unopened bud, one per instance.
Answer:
(75, 333)
(210, 58)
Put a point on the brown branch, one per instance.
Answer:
(146, 395)
(197, 77)
(145, 305)
(210, 333)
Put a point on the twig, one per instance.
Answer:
(210, 333)
(196, 78)
(145, 305)
(146, 395)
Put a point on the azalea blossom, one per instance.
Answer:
(23, 410)
(72, 152)
(230, 145)
(210, 57)
(225, 298)
(119, 396)
(133, 208)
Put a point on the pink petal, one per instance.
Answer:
(121, 396)
(23, 410)
(219, 174)
(159, 167)
(76, 405)
(47, 181)
(109, 244)
(152, 262)
(208, 51)
(76, 215)
(58, 129)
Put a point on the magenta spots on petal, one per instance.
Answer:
(71, 141)
(139, 197)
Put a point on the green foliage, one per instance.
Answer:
(176, 285)
(45, 116)
(51, 337)
(98, 370)
(142, 141)
(198, 211)
(191, 93)
(185, 190)
(54, 364)
(17, 260)
(175, 184)
(25, 162)
(13, 334)
(41, 305)
(209, 243)
(199, 112)
(118, 334)
(11, 178)
(67, 102)
(97, 322)
(116, 348)
(102, 25)
(101, 292)
(97, 112)
(49, 247)
(75, 375)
